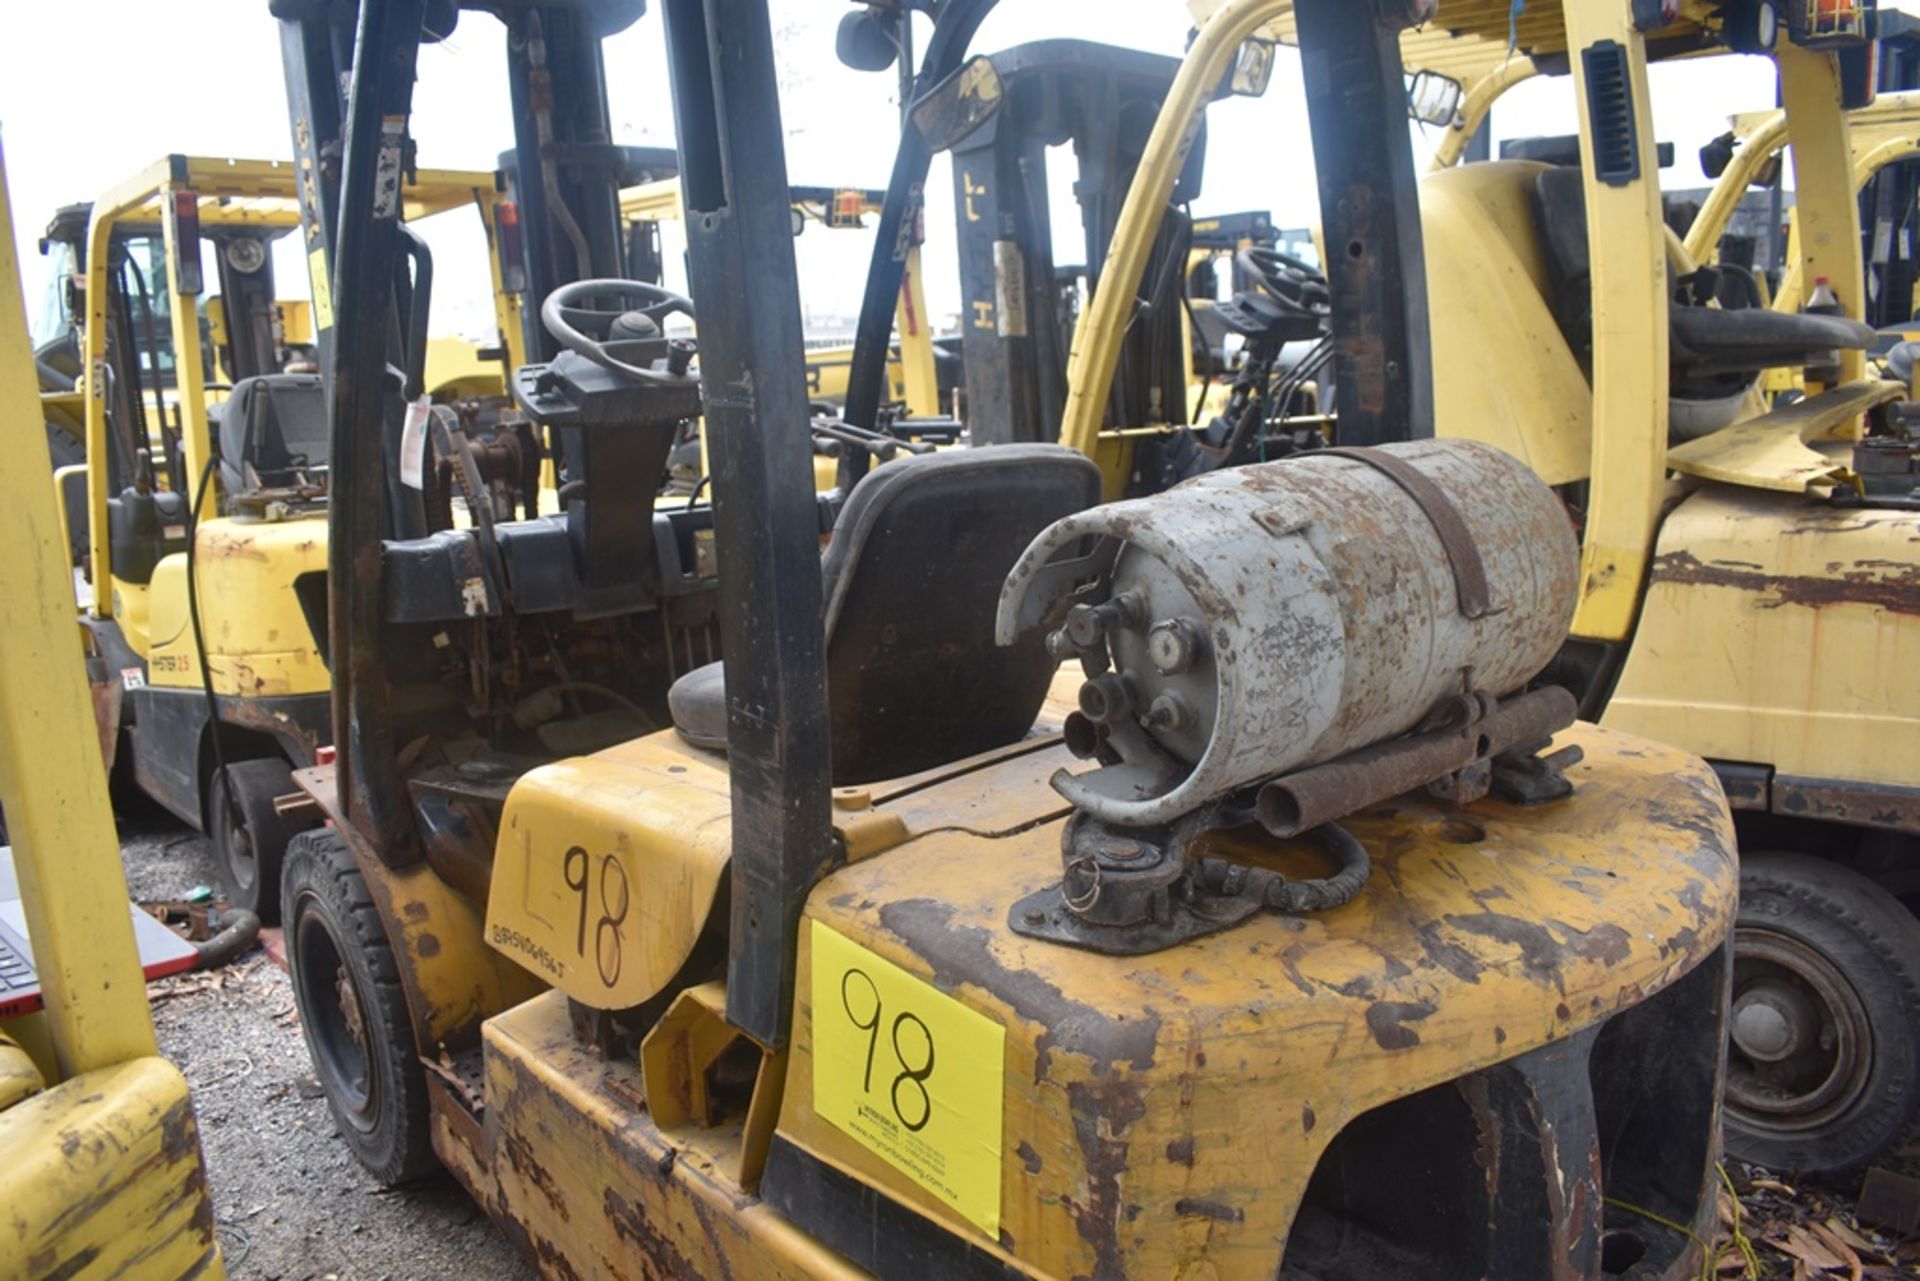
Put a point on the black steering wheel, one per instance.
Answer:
(1294, 284)
(588, 318)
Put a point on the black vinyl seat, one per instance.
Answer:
(912, 580)
(272, 427)
(1705, 343)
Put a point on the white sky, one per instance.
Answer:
(72, 128)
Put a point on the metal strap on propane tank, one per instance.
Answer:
(1463, 553)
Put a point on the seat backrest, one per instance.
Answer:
(271, 425)
(1503, 373)
(912, 581)
(1560, 203)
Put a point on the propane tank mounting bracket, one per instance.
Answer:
(1129, 891)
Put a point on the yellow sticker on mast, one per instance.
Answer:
(911, 1073)
(322, 286)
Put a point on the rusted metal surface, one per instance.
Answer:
(452, 979)
(1882, 805)
(101, 1176)
(1484, 935)
(300, 723)
(1892, 586)
(107, 695)
(1300, 801)
(1812, 611)
(1303, 649)
(1463, 554)
(1748, 787)
(589, 1186)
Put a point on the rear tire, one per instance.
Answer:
(353, 1009)
(249, 837)
(1823, 1070)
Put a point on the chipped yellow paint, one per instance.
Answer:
(20, 1076)
(585, 1184)
(1783, 633)
(1771, 451)
(100, 1177)
(1300, 1023)
(1484, 934)
(259, 642)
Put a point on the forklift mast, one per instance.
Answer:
(999, 115)
(372, 280)
(955, 22)
(1369, 210)
(733, 173)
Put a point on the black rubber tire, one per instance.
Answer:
(375, 1086)
(1873, 942)
(249, 855)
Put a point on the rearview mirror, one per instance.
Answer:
(1252, 69)
(1434, 99)
(863, 41)
(950, 111)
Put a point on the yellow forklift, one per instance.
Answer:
(100, 1166)
(1292, 935)
(911, 378)
(913, 418)
(206, 554)
(1748, 566)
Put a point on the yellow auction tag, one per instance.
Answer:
(910, 1072)
(322, 286)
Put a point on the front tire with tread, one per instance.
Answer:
(353, 1009)
(1868, 946)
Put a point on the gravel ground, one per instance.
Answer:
(291, 1203)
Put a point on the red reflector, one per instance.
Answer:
(186, 232)
(513, 263)
(847, 208)
(324, 755)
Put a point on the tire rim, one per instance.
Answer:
(235, 842)
(1800, 1046)
(334, 1010)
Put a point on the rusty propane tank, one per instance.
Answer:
(1261, 619)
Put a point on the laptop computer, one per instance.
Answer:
(162, 952)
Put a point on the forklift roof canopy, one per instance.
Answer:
(1469, 38)
(266, 193)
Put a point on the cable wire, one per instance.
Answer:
(200, 641)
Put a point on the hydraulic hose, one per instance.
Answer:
(240, 932)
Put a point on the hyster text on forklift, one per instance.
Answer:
(1290, 932)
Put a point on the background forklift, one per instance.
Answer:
(1747, 569)
(811, 979)
(206, 556)
(100, 1166)
(920, 377)
(912, 380)
(999, 116)
(143, 410)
